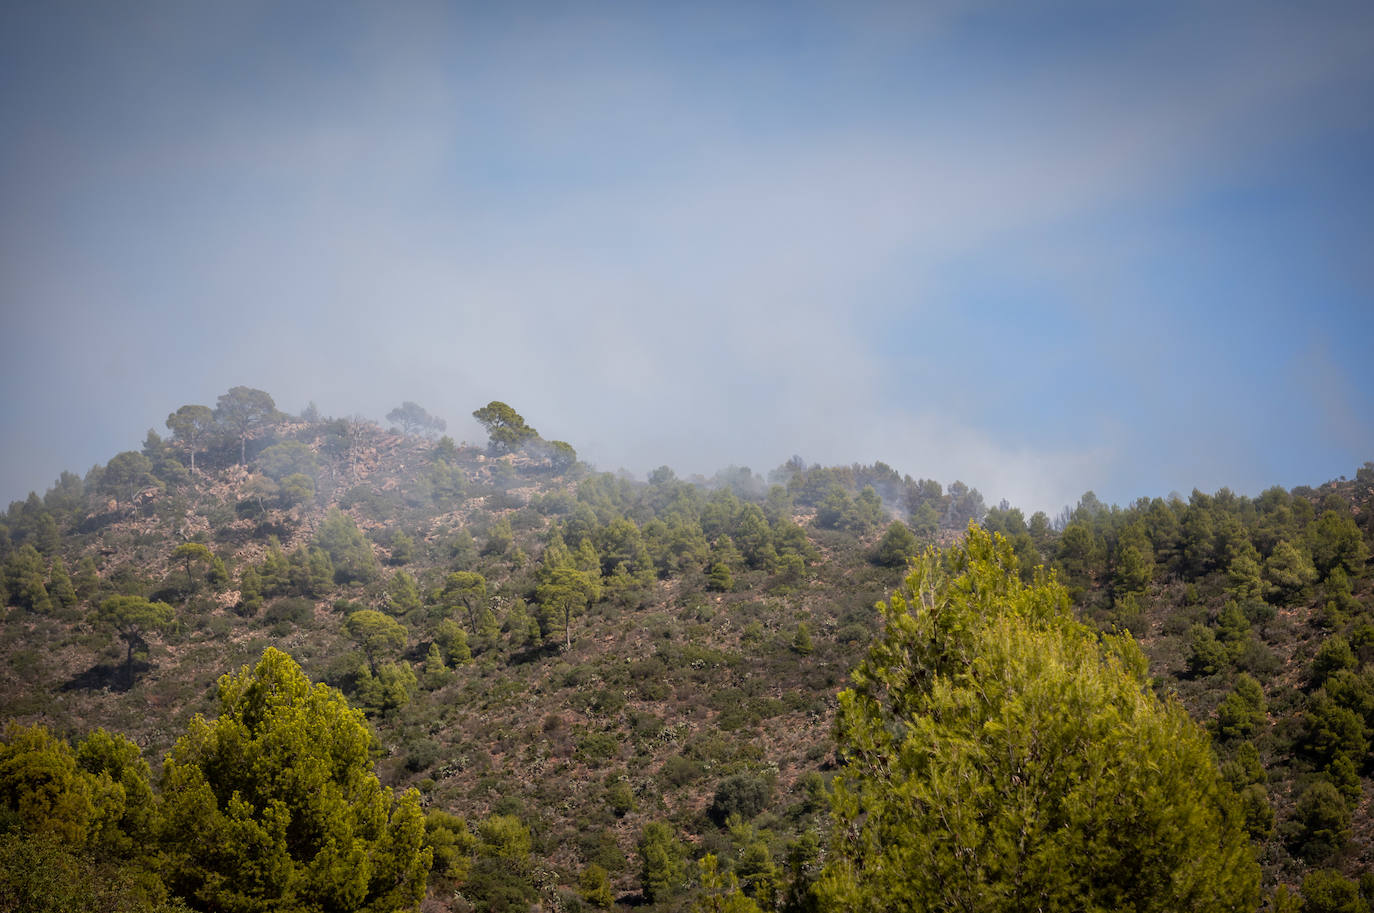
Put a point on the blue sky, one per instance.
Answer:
(1041, 247)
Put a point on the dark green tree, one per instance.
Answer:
(412, 418)
(1243, 713)
(243, 411)
(567, 592)
(1321, 822)
(60, 584)
(898, 545)
(663, 861)
(562, 456)
(402, 594)
(1290, 573)
(87, 581)
(466, 590)
(1335, 542)
(25, 572)
(189, 553)
(132, 617)
(126, 475)
(997, 754)
(190, 426)
(379, 635)
(352, 555)
(506, 429)
(286, 459)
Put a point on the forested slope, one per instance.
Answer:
(592, 681)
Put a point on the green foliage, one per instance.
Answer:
(288, 458)
(566, 592)
(447, 837)
(1321, 822)
(387, 688)
(132, 617)
(189, 553)
(87, 580)
(1327, 891)
(1206, 655)
(1243, 713)
(1289, 572)
(594, 886)
(436, 672)
(60, 587)
(311, 572)
(379, 635)
(242, 412)
(663, 861)
(453, 640)
(998, 755)
(562, 456)
(1336, 543)
(191, 425)
(42, 787)
(412, 418)
(898, 545)
(126, 474)
(721, 890)
(505, 837)
(505, 427)
(744, 795)
(351, 553)
(274, 805)
(42, 874)
(859, 515)
(1332, 656)
(402, 594)
(465, 590)
(250, 593)
(25, 572)
(126, 816)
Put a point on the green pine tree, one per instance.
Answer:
(998, 755)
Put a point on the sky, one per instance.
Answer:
(1042, 247)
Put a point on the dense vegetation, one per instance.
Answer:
(567, 688)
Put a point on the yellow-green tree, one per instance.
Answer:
(275, 805)
(1000, 756)
(42, 788)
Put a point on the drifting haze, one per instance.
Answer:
(1065, 247)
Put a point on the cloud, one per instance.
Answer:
(671, 240)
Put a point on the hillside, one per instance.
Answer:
(581, 655)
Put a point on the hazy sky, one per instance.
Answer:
(1040, 247)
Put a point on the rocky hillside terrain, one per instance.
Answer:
(582, 665)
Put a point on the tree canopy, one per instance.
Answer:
(412, 418)
(132, 617)
(190, 424)
(275, 804)
(242, 411)
(506, 428)
(999, 756)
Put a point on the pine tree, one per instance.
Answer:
(1000, 756)
(274, 805)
